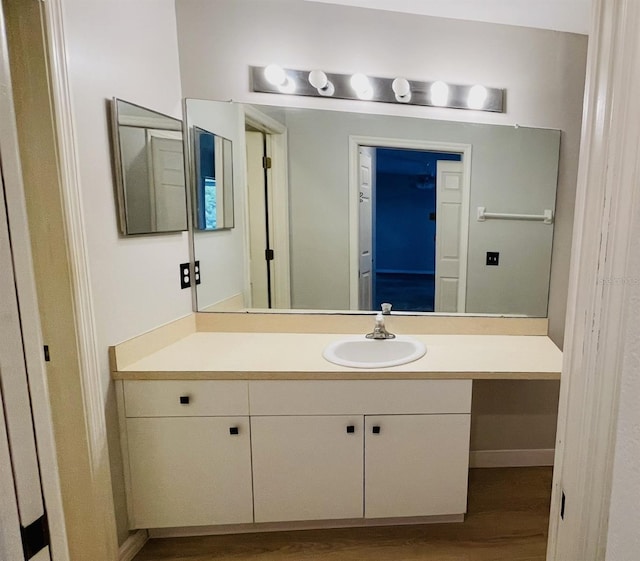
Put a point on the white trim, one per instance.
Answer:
(279, 203)
(71, 199)
(511, 458)
(355, 142)
(132, 545)
(29, 313)
(596, 312)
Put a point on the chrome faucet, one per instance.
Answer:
(379, 331)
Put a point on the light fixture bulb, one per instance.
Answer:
(288, 87)
(360, 83)
(477, 97)
(318, 79)
(439, 93)
(401, 87)
(275, 75)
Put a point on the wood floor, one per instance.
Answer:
(507, 519)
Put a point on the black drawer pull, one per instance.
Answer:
(351, 428)
(234, 430)
(375, 429)
(184, 399)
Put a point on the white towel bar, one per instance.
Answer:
(546, 217)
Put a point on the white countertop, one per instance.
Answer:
(217, 355)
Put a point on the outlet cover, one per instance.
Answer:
(185, 275)
(197, 271)
(493, 258)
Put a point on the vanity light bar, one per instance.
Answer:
(316, 83)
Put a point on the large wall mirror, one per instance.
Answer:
(213, 180)
(344, 211)
(149, 166)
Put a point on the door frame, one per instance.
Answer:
(11, 188)
(278, 205)
(355, 141)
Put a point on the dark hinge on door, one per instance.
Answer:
(35, 537)
(268, 254)
(266, 162)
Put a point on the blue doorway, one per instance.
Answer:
(404, 228)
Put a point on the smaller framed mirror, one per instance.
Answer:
(149, 169)
(213, 181)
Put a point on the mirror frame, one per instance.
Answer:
(119, 175)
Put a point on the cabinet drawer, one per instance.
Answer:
(353, 397)
(189, 398)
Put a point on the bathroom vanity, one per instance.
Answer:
(237, 430)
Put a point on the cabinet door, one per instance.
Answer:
(416, 465)
(189, 471)
(307, 467)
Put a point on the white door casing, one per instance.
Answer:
(278, 203)
(257, 219)
(365, 224)
(451, 238)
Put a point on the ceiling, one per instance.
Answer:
(559, 15)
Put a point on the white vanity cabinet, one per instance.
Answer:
(416, 465)
(347, 449)
(307, 467)
(188, 452)
(215, 453)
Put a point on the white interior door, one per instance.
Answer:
(19, 468)
(450, 241)
(167, 181)
(365, 208)
(257, 220)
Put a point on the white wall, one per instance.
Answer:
(125, 49)
(542, 71)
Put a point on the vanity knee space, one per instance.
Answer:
(211, 452)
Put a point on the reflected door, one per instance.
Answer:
(449, 242)
(167, 184)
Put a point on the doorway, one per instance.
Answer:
(404, 227)
(412, 222)
(267, 192)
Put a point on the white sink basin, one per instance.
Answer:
(360, 352)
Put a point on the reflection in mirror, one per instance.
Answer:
(360, 209)
(149, 166)
(213, 180)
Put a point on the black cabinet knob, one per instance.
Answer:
(234, 430)
(184, 399)
(351, 428)
(376, 429)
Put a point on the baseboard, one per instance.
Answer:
(302, 525)
(132, 545)
(511, 458)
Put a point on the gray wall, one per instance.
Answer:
(512, 170)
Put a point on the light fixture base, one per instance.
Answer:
(420, 92)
